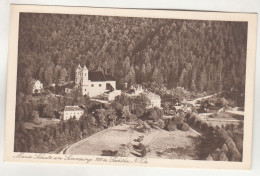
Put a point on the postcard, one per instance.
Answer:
(130, 87)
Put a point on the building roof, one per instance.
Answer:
(79, 67)
(72, 108)
(35, 80)
(99, 76)
(96, 76)
(131, 91)
(109, 78)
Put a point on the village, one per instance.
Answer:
(102, 88)
(142, 114)
(99, 87)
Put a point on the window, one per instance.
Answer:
(85, 89)
(85, 74)
(92, 85)
(100, 85)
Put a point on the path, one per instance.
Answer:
(193, 102)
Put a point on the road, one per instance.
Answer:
(193, 102)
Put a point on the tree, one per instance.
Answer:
(48, 76)
(143, 74)
(193, 80)
(203, 80)
(19, 114)
(63, 75)
(101, 118)
(56, 74)
(126, 113)
(182, 78)
(28, 82)
(130, 77)
(156, 77)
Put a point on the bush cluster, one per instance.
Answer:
(218, 143)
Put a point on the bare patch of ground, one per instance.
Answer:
(162, 144)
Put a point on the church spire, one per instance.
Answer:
(85, 68)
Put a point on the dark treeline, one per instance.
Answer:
(223, 143)
(197, 55)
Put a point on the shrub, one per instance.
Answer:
(238, 139)
(177, 120)
(204, 127)
(185, 127)
(123, 151)
(143, 149)
(224, 148)
(234, 154)
(171, 126)
(142, 127)
(160, 124)
(192, 119)
(218, 155)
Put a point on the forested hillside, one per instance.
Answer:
(197, 55)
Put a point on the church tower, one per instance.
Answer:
(78, 75)
(85, 81)
(84, 75)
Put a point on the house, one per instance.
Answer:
(154, 99)
(72, 111)
(37, 86)
(68, 90)
(95, 83)
(138, 90)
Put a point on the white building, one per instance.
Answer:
(68, 90)
(154, 99)
(72, 111)
(37, 86)
(95, 83)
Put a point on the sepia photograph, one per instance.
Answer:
(131, 89)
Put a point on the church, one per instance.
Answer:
(95, 83)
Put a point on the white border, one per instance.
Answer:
(181, 15)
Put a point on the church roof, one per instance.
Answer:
(109, 78)
(96, 76)
(99, 76)
(79, 67)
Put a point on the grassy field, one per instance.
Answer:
(162, 144)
